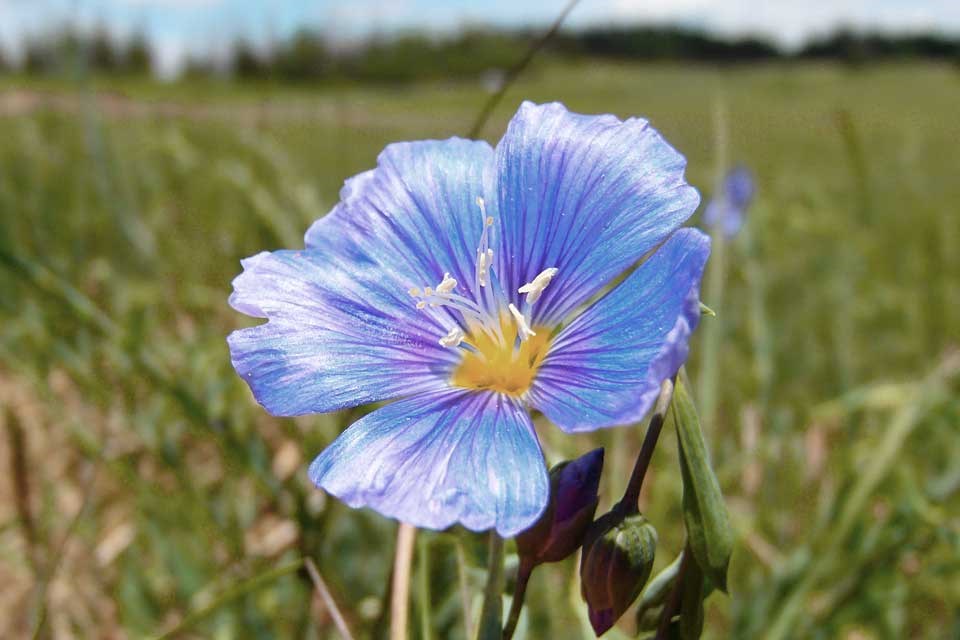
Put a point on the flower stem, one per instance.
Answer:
(400, 596)
(519, 593)
(712, 331)
(464, 588)
(629, 502)
(423, 587)
(491, 615)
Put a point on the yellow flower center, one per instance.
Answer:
(502, 367)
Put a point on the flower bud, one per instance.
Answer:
(728, 208)
(573, 502)
(618, 555)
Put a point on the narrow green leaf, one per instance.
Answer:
(704, 512)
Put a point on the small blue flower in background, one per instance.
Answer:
(729, 208)
(451, 279)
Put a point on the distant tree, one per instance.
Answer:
(138, 57)
(68, 50)
(304, 57)
(198, 68)
(854, 47)
(248, 63)
(101, 51)
(666, 43)
(36, 57)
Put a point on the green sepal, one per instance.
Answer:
(704, 512)
(691, 602)
(655, 594)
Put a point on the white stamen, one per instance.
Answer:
(484, 252)
(535, 288)
(484, 260)
(447, 285)
(481, 310)
(523, 329)
(453, 338)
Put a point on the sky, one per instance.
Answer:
(180, 27)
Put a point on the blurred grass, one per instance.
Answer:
(157, 487)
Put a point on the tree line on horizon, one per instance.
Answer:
(307, 56)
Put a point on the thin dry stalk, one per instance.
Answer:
(324, 593)
(400, 598)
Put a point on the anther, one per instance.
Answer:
(484, 260)
(453, 338)
(523, 329)
(535, 288)
(447, 285)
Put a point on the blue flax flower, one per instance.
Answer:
(458, 280)
(728, 209)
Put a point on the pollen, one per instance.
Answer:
(493, 365)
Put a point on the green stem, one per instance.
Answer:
(712, 331)
(464, 588)
(629, 502)
(491, 615)
(423, 586)
(519, 593)
(237, 591)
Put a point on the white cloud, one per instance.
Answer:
(658, 10)
(169, 55)
(788, 22)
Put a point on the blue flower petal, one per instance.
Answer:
(589, 195)
(729, 208)
(339, 335)
(438, 459)
(605, 368)
(739, 187)
(415, 215)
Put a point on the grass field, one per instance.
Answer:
(144, 491)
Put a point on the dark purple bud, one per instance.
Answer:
(573, 501)
(618, 554)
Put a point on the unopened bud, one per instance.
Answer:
(618, 555)
(573, 501)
